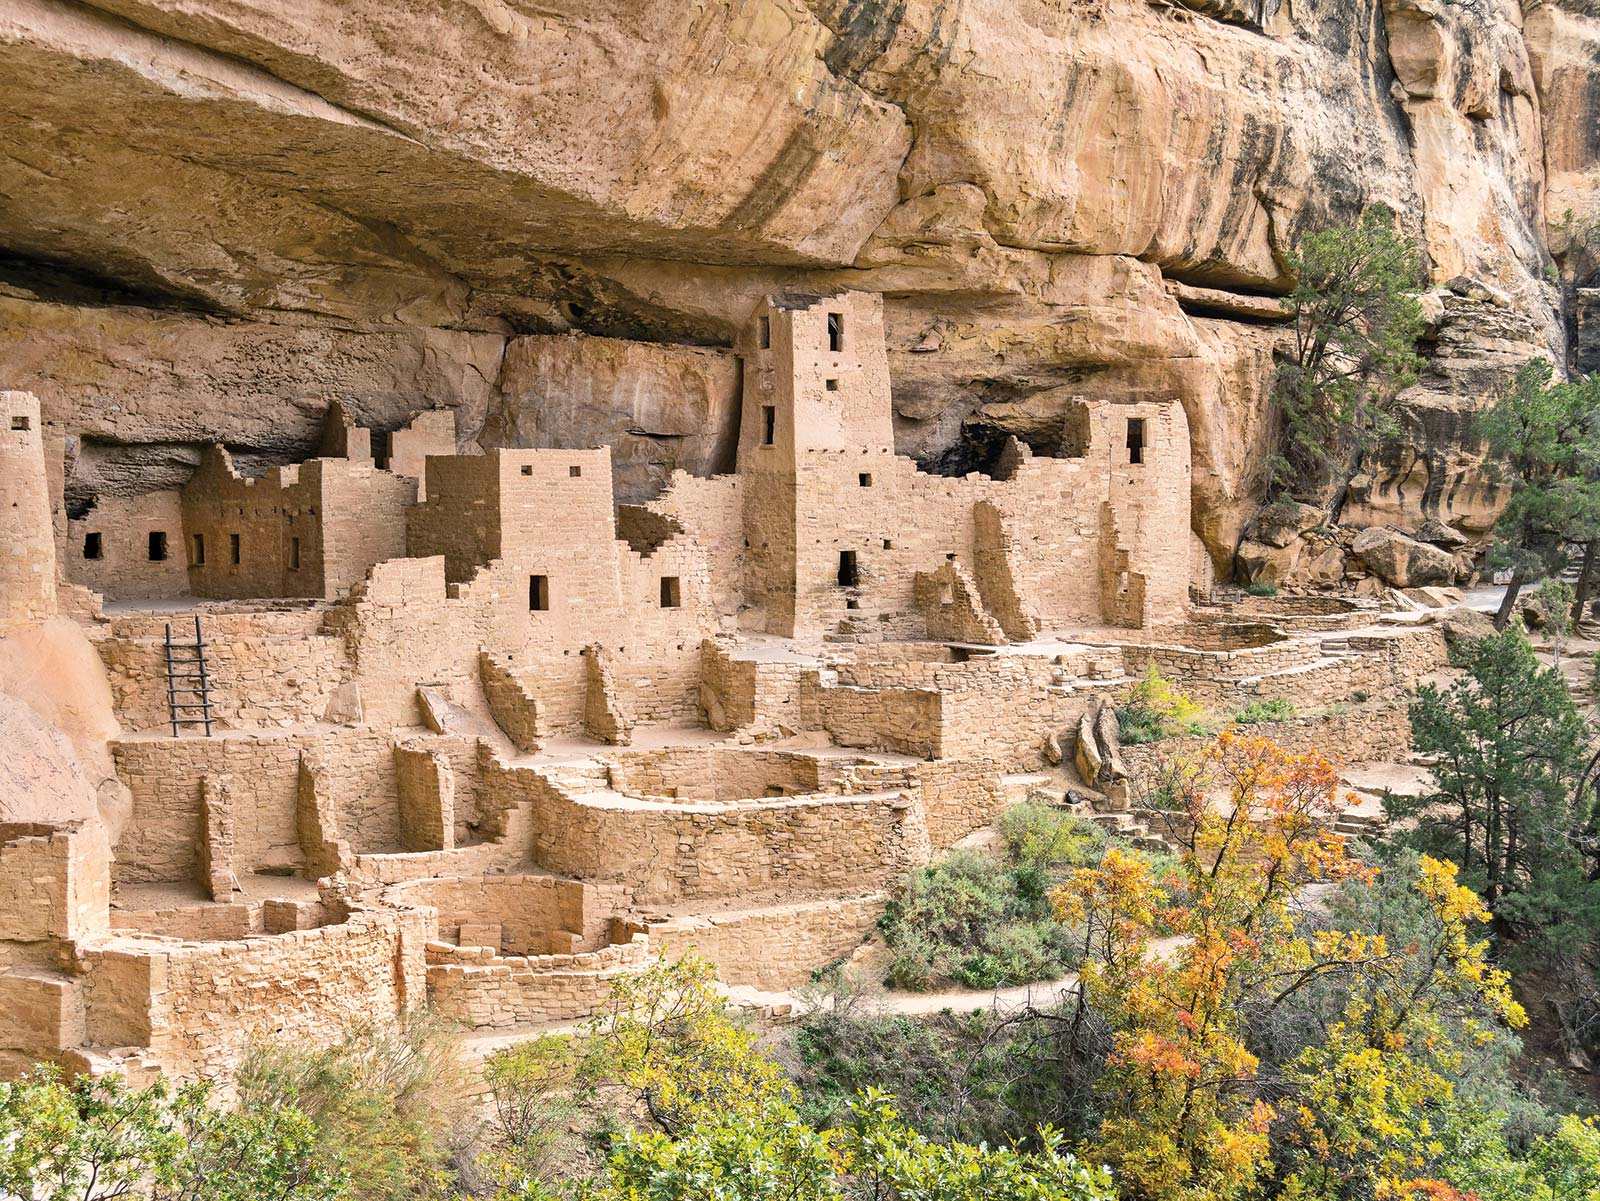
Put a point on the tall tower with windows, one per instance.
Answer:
(28, 564)
(816, 399)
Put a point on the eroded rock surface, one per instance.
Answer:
(218, 216)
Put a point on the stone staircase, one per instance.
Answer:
(1367, 827)
(1134, 830)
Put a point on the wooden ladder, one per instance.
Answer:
(188, 686)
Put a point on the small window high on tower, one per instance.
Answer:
(835, 332)
(1136, 440)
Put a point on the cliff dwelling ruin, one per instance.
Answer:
(400, 725)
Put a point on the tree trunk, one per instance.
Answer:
(1508, 604)
(1491, 847)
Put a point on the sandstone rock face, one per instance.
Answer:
(221, 215)
(659, 408)
(1401, 561)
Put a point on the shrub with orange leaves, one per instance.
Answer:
(1182, 1114)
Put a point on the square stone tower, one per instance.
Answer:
(28, 564)
(816, 388)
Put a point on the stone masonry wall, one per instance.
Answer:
(204, 1002)
(484, 991)
(772, 948)
(272, 668)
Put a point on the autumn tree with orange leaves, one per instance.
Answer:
(1176, 969)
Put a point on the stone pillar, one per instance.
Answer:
(426, 784)
(28, 562)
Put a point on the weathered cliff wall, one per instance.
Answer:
(216, 216)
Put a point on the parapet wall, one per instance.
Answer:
(669, 852)
(775, 947)
(197, 1006)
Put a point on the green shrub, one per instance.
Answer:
(76, 1138)
(974, 1076)
(1050, 838)
(1261, 588)
(977, 921)
(388, 1102)
(533, 1109)
(1157, 709)
(1259, 711)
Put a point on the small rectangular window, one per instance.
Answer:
(835, 332)
(91, 546)
(669, 592)
(199, 550)
(233, 548)
(763, 333)
(538, 593)
(865, 479)
(848, 576)
(888, 545)
(832, 385)
(769, 424)
(19, 422)
(294, 554)
(574, 471)
(527, 469)
(1136, 439)
(158, 546)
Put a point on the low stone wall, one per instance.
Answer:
(772, 948)
(197, 1006)
(713, 774)
(536, 915)
(669, 852)
(905, 720)
(1365, 733)
(485, 991)
(959, 796)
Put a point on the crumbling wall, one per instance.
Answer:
(307, 986)
(952, 609)
(485, 991)
(425, 785)
(670, 852)
(165, 777)
(514, 708)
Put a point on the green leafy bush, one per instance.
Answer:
(80, 1139)
(1157, 709)
(389, 1102)
(977, 921)
(531, 1094)
(1259, 711)
(1261, 588)
(771, 1156)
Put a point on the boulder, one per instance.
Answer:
(1279, 524)
(1461, 625)
(1437, 532)
(1401, 561)
(1260, 563)
(1087, 754)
